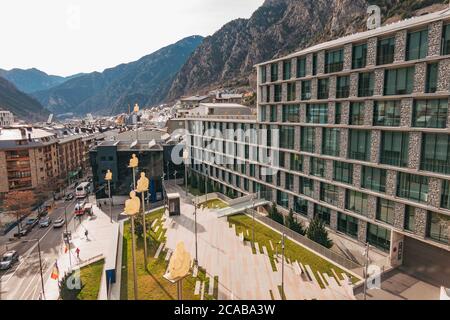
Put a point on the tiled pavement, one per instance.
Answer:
(241, 274)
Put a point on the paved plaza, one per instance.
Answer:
(242, 274)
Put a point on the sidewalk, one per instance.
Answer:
(101, 240)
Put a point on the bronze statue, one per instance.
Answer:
(143, 183)
(179, 264)
(134, 161)
(136, 108)
(132, 205)
(108, 176)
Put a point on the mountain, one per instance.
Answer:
(276, 28)
(145, 81)
(19, 103)
(32, 80)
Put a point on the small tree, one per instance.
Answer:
(19, 204)
(275, 215)
(194, 182)
(292, 224)
(317, 232)
(201, 184)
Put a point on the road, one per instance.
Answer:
(22, 281)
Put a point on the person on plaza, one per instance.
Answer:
(78, 253)
(86, 233)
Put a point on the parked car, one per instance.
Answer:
(69, 197)
(44, 223)
(31, 223)
(23, 232)
(59, 223)
(8, 259)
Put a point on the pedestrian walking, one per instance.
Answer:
(78, 253)
(86, 233)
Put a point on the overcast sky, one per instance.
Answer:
(65, 37)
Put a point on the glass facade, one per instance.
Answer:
(412, 187)
(343, 172)
(306, 186)
(334, 61)
(366, 84)
(386, 211)
(274, 72)
(330, 141)
(410, 218)
(322, 213)
(430, 113)
(436, 153)
(432, 78)
(357, 113)
(374, 179)
(342, 87)
(307, 139)
(385, 51)
(386, 113)
(291, 113)
(359, 56)
(306, 90)
(379, 237)
(438, 226)
(323, 89)
(287, 137)
(329, 193)
(291, 92)
(277, 93)
(301, 67)
(317, 167)
(348, 225)
(417, 45)
(394, 148)
(359, 146)
(356, 201)
(263, 71)
(338, 113)
(446, 40)
(286, 69)
(296, 162)
(301, 206)
(317, 113)
(399, 81)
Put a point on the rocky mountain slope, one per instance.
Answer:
(145, 81)
(19, 103)
(32, 80)
(278, 27)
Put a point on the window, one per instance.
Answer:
(267, 94)
(379, 237)
(274, 72)
(357, 113)
(301, 67)
(348, 225)
(445, 198)
(342, 87)
(262, 113)
(263, 70)
(386, 113)
(296, 162)
(338, 113)
(343, 172)
(430, 113)
(317, 113)
(289, 181)
(306, 186)
(334, 61)
(307, 138)
(273, 114)
(329, 193)
(410, 218)
(277, 94)
(301, 206)
(436, 153)
(314, 64)
(359, 56)
(282, 199)
(412, 187)
(399, 81)
(386, 211)
(385, 51)
(394, 148)
(330, 142)
(417, 45)
(291, 113)
(287, 137)
(286, 70)
(322, 213)
(291, 92)
(446, 40)
(318, 167)
(323, 89)
(432, 78)
(438, 227)
(356, 202)
(359, 146)
(306, 90)
(366, 83)
(374, 179)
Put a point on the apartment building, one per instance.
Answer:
(361, 129)
(28, 158)
(6, 118)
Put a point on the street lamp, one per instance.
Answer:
(108, 178)
(185, 158)
(40, 262)
(67, 238)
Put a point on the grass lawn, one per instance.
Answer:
(91, 276)
(151, 284)
(214, 204)
(293, 251)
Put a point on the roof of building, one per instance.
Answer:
(195, 98)
(141, 135)
(390, 28)
(223, 105)
(229, 96)
(23, 133)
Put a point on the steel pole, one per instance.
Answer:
(40, 267)
(144, 228)
(133, 252)
(185, 178)
(110, 203)
(195, 229)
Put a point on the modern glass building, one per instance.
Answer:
(361, 127)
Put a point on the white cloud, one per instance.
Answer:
(69, 36)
